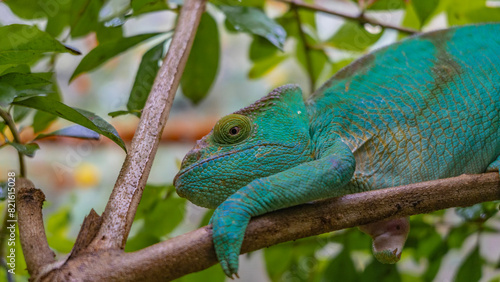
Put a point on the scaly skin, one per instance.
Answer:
(422, 109)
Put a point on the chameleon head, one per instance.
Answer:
(267, 137)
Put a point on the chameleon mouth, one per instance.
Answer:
(194, 165)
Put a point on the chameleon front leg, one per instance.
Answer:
(494, 166)
(321, 178)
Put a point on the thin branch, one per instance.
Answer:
(307, 49)
(122, 205)
(12, 126)
(194, 251)
(360, 18)
(31, 231)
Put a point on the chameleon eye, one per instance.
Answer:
(232, 129)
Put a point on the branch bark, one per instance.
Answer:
(360, 18)
(32, 233)
(194, 251)
(122, 205)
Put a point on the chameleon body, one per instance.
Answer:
(421, 109)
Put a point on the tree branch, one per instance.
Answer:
(12, 126)
(122, 205)
(31, 231)
(194, 251)
(360, 18)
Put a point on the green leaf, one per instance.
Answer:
(78, 116)
(16, 68)
(278, 260)
(174, 207)
(144, 78)
(211, 274)
(319, 60)
(42, 120)
(386, 5)
(20, 113)
(84, 16)
(457, 10)
(478, 212)
(108, 50)
(147, 6)
(75, 131)
(57, 230)
(342, 266)
(254, 21)
(471, 268)
(410, 20)
(206, 218)
(424, 9)
(14, 85)
(377, 271)
(203, 62)
(264, 66)
(23, 44)
(352, 36)
(260, 49)
(247, 3)
(26, 149)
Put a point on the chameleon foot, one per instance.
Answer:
(389, 237)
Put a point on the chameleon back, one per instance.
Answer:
(422, 109)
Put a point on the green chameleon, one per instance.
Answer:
(421, 109)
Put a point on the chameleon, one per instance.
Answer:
(424, 108)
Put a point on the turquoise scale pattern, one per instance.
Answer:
(426, 108)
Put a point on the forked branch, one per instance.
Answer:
(194, 251)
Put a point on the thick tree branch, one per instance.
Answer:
(194, 251)
(360, 18)
(122, 205)
(31, 231)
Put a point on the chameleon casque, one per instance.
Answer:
(425, 108)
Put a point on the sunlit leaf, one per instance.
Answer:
(203, 62)
(353, 36)
(264, 66)
(78, 116)
(254, 21)
(57, 229)
(108, 50)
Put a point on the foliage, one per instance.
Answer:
(291, 35)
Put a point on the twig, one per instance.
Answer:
(194, 251)
(307, 50)
(10, 123)
(360, 18)
(122, 205)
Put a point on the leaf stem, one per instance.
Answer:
(307, 49)
(360, 18)
(10, 123)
